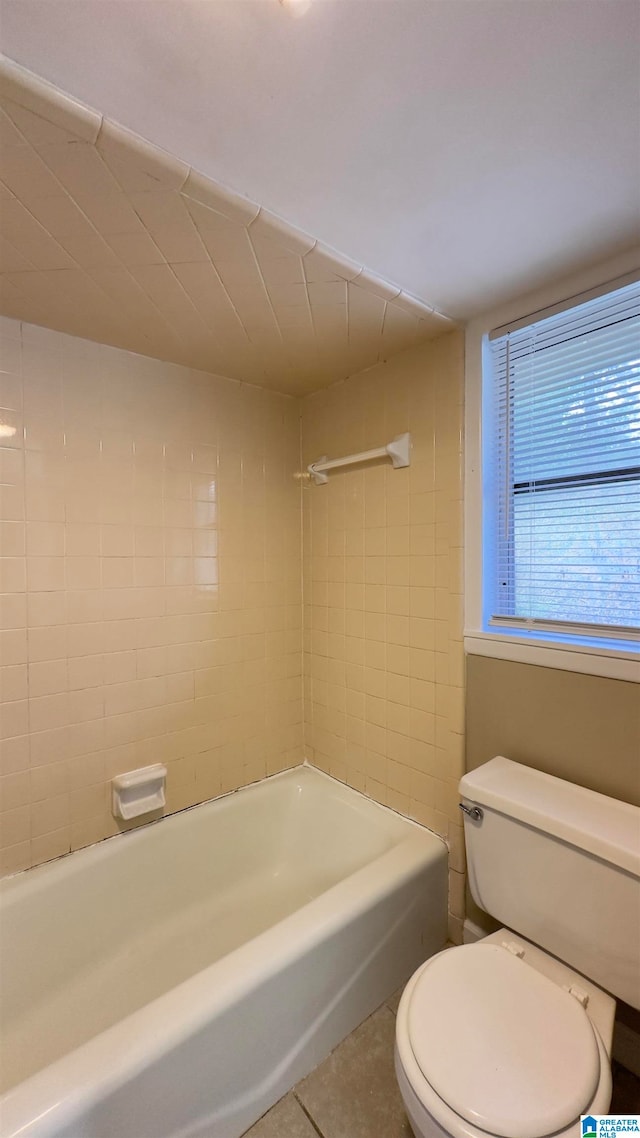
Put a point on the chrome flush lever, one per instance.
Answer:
(473, 812)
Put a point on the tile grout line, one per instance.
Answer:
(307, 1115)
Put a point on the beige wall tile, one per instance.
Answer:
(383, 612)
(153, 602)
(110, 594)
(15, 858)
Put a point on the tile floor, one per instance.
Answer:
(353, 1093)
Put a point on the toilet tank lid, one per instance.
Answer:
(602, 826)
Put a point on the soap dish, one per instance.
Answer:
(138, 792)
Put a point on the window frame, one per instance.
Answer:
(619, 659)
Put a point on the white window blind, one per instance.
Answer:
(566, 470)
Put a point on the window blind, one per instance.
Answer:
(565, 460)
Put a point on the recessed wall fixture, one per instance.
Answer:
(7, 431)
(296, 7)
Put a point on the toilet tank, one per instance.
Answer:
(559, 864)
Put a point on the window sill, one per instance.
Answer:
(594, 661)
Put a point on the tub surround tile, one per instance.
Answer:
(143, 482)
(153, 603)
(15, 857)
(384, 660)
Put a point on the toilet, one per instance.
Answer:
(511, 1036)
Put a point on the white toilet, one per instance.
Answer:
(500, 1037)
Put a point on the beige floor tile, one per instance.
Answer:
(394, 1000)
(354, 1093)
(285, 1120)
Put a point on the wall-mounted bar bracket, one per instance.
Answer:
(398, 451)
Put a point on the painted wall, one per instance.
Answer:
(150, 576)
(580, 727)
(585, 729)
(384, 666)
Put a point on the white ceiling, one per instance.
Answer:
(465, 149)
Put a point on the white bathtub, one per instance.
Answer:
(176, 981)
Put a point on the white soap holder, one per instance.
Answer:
(138, 792)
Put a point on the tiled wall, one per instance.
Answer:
(114, 240)
(151, 587)
(150, 584)
(384, 700)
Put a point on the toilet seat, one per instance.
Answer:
(485, 1042)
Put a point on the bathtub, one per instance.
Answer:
(176, 981)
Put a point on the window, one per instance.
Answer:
(562, 473)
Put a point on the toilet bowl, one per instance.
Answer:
(500, 1039)
(511, 1037)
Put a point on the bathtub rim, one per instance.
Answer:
(60, 1092)
(10, 881)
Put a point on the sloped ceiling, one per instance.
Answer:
(471, 150)
(107, 237)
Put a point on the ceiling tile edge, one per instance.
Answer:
(28, 90)
(199, 188)
(115, 141)
(49, 102)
